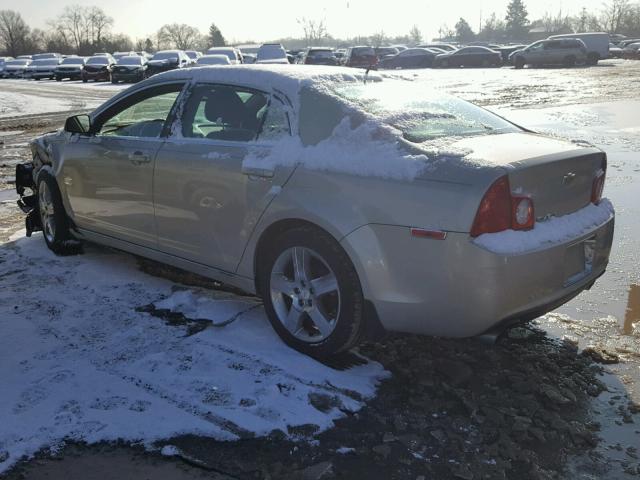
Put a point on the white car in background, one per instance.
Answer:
(272, 53)
(233, 54)
(213, 60)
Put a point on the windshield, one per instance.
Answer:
(17, 62)
(420, 113)
(130, 61)
(98, 61)
(362, 52)
(166, 56)
(72, 61)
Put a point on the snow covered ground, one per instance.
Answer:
(81, 361)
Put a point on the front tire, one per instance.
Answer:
(311, 292)
(53, 218)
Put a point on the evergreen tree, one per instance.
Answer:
(516, 21)
(463, 31)
(215, 36)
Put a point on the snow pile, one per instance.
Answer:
(81, 362)
(553, 231)
(370, 149)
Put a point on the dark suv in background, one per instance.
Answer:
(319, 56)
(98, 68)
(361, 57)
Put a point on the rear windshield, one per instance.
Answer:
(98, 61)
(130, 61)
(420, 114)
(224, 51)
(320, 53)
(271, 52)
(72, 61)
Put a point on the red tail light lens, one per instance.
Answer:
(597, 188)
(499, 210)
(494, 212)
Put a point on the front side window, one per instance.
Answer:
(220, 112)
(141, 115)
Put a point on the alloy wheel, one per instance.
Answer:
(47, 212)
(305, 294)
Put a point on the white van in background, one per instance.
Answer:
(597, 44)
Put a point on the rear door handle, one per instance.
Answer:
(138, 158)
(257, 172)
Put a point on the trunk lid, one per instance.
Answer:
(558, 175)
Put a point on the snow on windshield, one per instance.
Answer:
(72, 61)
(98, 61)
(130, 61)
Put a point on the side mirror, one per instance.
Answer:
(80, 124)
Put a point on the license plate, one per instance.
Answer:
(578, 261)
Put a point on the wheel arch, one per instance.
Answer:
(270, 233)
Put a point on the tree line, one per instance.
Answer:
(84, 30)
(615, 17)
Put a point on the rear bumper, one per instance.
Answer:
(454, 288)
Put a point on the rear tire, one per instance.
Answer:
(53, 218)
(311, 292)
(592, 59)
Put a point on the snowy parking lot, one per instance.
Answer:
(98, 349)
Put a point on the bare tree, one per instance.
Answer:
(415, 35)
(615, 14)
(99, 22)
(14, 32)
(179, 35)
(314, 30)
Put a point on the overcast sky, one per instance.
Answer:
(270, 19)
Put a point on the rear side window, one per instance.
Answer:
(221, 112)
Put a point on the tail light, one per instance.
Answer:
(499, 210)
(598, 183)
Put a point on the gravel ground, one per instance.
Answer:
(558, 399)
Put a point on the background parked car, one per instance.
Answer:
(132, 68)
(43, 68)
(213, 60)
(98, 68)
(361, 57)
(272, 53)
(469, 57)
(319, 56)
(167, 60)
(15, 68)
(507, 50)
(233, 54)
(118, 55)
(442, 46)
(3, 61)
(410, 58)
(193, 55)
(597, 44)
(631, 51)
(71, 68)
(382, 52)
(614, 51)
(44, 56)
(566, 52)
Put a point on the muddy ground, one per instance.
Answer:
(557, 399)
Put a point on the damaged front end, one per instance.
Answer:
(28, 202)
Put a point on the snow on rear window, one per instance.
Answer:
(72, 61)
(421, 115)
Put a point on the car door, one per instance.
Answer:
(108, 174)
(209, 186)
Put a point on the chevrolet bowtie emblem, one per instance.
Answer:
(568, 178)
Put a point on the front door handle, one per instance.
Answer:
(138, 158)
(258, 172)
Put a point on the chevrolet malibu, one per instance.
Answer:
(352, 204)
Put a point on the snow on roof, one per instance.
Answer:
(288, 79)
